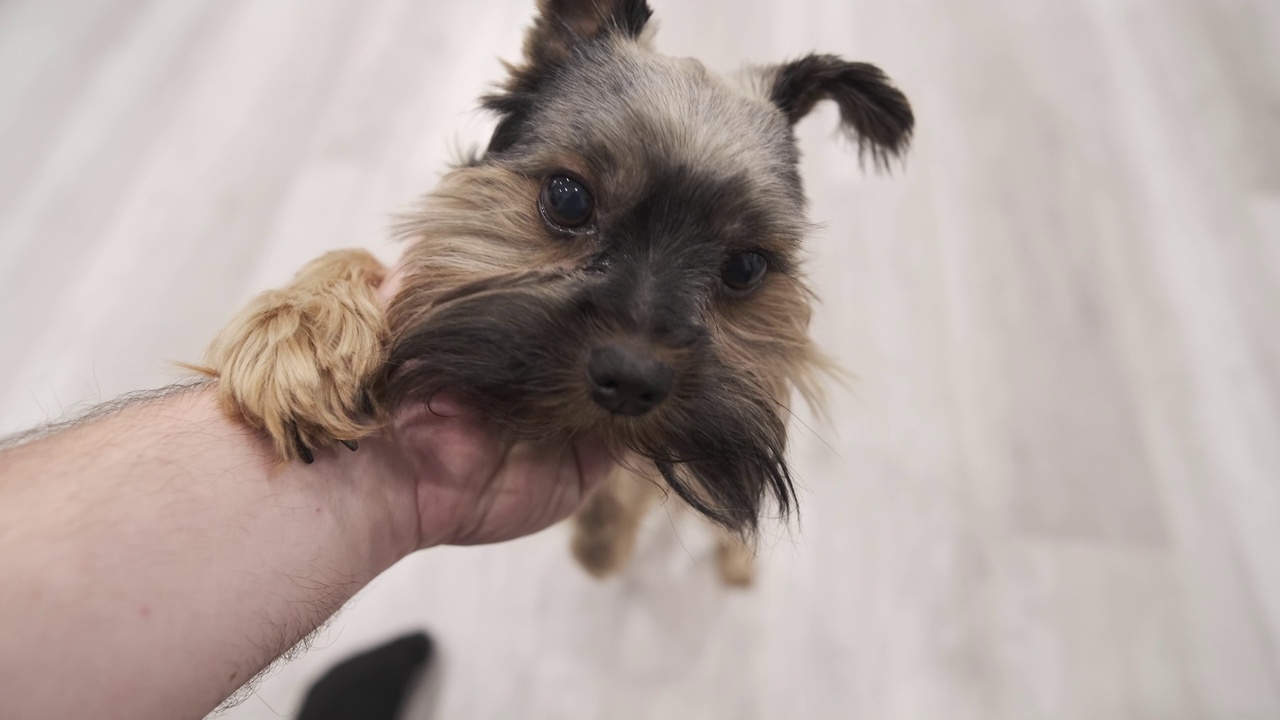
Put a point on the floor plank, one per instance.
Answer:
(1050, 493)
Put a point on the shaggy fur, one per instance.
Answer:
(296, 361)
(688, 170)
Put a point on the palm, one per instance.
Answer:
(474, 488)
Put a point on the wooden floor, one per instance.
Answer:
(1054, 491)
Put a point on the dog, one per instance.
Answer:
(622, 258)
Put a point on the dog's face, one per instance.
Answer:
(624, 258)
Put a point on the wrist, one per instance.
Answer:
(165, 525)
(378, 484)
(363, 502)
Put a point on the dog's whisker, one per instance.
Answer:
(785, 408)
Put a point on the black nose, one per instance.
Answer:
(627, 381)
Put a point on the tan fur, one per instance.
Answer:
(297, 359)
(300, 355)
(736, 559)
(483, 267)
(605, 527)
(480, 223)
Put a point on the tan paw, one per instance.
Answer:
(296, 363)
(600, 556)
(736, 561)
(605, 527)
(603, 535)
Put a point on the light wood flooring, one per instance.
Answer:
(1053, 492)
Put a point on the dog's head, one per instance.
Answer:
(624, 257)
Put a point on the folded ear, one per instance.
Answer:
(562, 24)
(872, 111)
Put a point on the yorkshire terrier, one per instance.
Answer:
(623, 258)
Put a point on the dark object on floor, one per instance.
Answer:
(369, 686)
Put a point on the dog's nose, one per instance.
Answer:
(627, 381)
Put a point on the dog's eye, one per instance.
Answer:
(566, 202)
(744, 270)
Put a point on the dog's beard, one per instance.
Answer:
(514, 345)
(722, 455)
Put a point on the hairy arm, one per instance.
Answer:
(153, 560)
(155, 556)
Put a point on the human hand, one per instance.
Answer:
(472, 487)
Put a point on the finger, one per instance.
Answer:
(391, 285)
(450, 436)
(435, 411)
(595, 462)
(447, 405)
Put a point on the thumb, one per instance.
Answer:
(595, 462)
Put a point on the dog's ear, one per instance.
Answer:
(563, 24)
(872, 111)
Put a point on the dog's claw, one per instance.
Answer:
(352, 445)
(304, 452)
(366, 404)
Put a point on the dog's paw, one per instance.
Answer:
(605, 527)
(603, 535)
(296, 363)
(600, 555)
(736, 561)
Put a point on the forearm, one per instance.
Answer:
(153, 560)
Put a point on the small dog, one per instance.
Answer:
(623, 258)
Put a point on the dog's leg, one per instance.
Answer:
(735, 558)
(297, 361)
(605, 527)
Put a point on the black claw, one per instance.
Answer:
(352, 445)
(304, 452)
(366, 404)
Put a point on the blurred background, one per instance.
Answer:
(1053, 491)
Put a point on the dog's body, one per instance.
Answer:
(623, 259)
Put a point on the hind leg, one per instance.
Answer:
(296, 362)
(605, 527)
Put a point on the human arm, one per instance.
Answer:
(154, 559)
